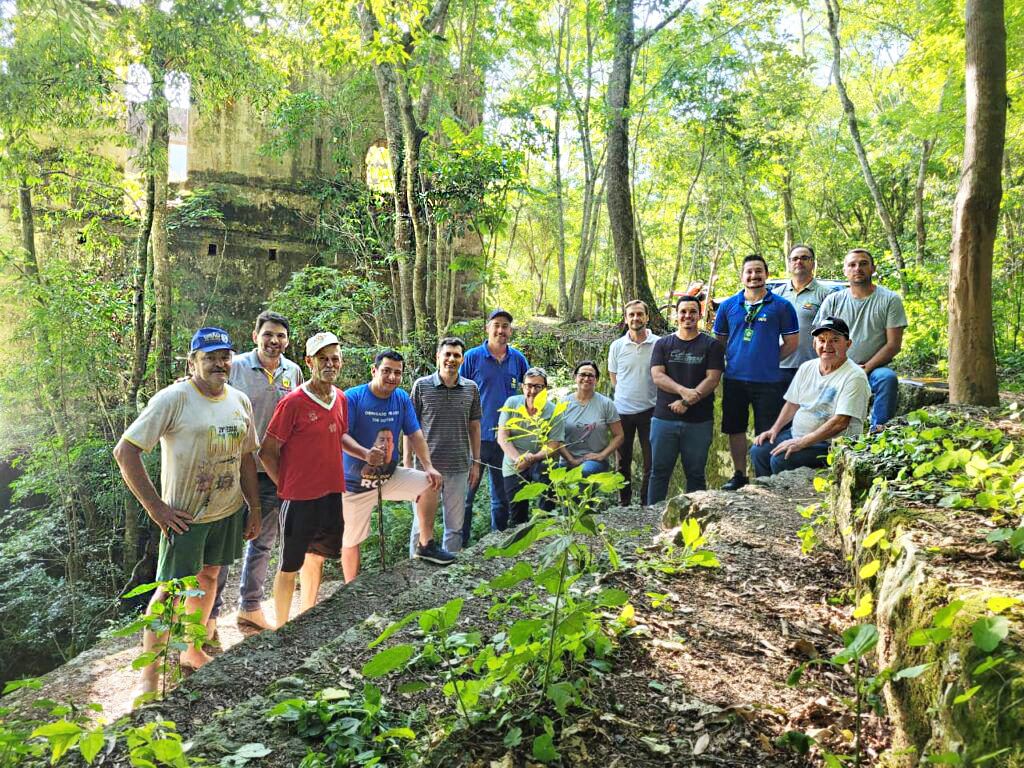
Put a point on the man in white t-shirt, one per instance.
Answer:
(828, 397)
(207, 438)
(629, 368)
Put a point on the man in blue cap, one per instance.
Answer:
(207, 439)
(498, 370)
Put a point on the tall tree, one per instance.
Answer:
(972, 365)
(884, 214)
(629, 257)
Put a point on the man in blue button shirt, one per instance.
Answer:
(750, 325)
(498, 371)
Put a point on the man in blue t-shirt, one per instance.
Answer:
(377, 412)
(750, 325)
(498, 370)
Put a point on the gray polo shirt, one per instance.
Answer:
(444, 413)
(264, 388)
(806, 303)
(868, 319)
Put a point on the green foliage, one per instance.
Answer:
(350, 728)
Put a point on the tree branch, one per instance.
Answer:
(645, 36)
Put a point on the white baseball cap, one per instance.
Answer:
(323, 339)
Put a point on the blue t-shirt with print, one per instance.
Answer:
(497, 382)
(371, 420)
(752, 349)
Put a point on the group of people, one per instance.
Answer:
(251, 450)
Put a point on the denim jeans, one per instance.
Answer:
(590, 466)
(766, 464)
(638, 425)
(453, 506)
(886, 392)
(491, 455)
(256, 555)
(671, 440)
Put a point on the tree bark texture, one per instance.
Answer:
(140, 341)
(858, 145)
(28, 230)
(629, 259)
(556, 159)
(163, 278)
(922, 174)
(972, 366)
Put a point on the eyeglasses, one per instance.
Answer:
(533, 387)
(586, 375)
(801, 258)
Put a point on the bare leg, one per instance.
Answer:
(284, 588)
(196, 657)
(426, 511)
(309, 580)
(738, 451)
(151, 641)
(350, 562)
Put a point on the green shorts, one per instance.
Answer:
(216, 543)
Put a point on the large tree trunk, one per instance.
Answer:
(629, 258)
(972, 365)
(858, 145)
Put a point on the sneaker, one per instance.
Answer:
(736, 482)
(434, 554)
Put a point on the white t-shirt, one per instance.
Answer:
(201, 445)
(631, 363)
(845, 392)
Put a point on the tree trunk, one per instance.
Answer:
(141, 343)
(858, 145)
(556, 159)
(788, 213)
(681, 223)
(972, 364)
(629, 259)
(28, 230)
(922, 174)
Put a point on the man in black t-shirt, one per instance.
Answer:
(686, 367)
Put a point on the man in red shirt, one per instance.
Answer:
(302, 454)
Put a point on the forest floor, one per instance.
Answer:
(700, 679)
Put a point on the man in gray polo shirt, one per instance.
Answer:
(629, 368)
(448, 407)
(265, 375)
(806, 295)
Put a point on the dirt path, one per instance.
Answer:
(700, 679)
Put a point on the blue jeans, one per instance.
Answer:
(256, 556)
(766, 464)
(590, 466)
(885, 389)
(671, 440)
(453, 505)
(491, 455)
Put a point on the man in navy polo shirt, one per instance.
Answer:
(750, 325)
(498, 371)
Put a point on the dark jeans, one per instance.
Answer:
(491, 455)
(519, 511)
(256, 555)
(639, 425)
(766, 464)
(672, 440)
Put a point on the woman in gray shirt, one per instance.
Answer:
(593, 428)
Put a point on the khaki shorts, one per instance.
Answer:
(216, 543)
(404, 485)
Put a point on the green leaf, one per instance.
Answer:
(521, 632)
(922, 637)
(520, 540)
(397, 733)
(60, 735)
(514, 737)
(141, 590)
(989, 631)
(91, 744)
(530, 491)
(167, 750)
(544, 748)
(870, 569)
(561, 694)
(252, 750)
(987, 500)
(395, 627)
(873, 538)
(144, 659)
(32, 683)
(799, 742)
(450, 613)
(967, 695)
(612, 597)
(923, 469)
(387, 660)
(574, 622)
(990, 662)
(911, 672)
(859, 640)
(511, 577)
(944, 617)
(945, 758)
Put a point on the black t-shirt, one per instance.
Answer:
(687, 363)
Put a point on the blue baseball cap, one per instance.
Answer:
(210, 340)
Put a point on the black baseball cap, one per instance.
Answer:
(831, 324)
(499, 313)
